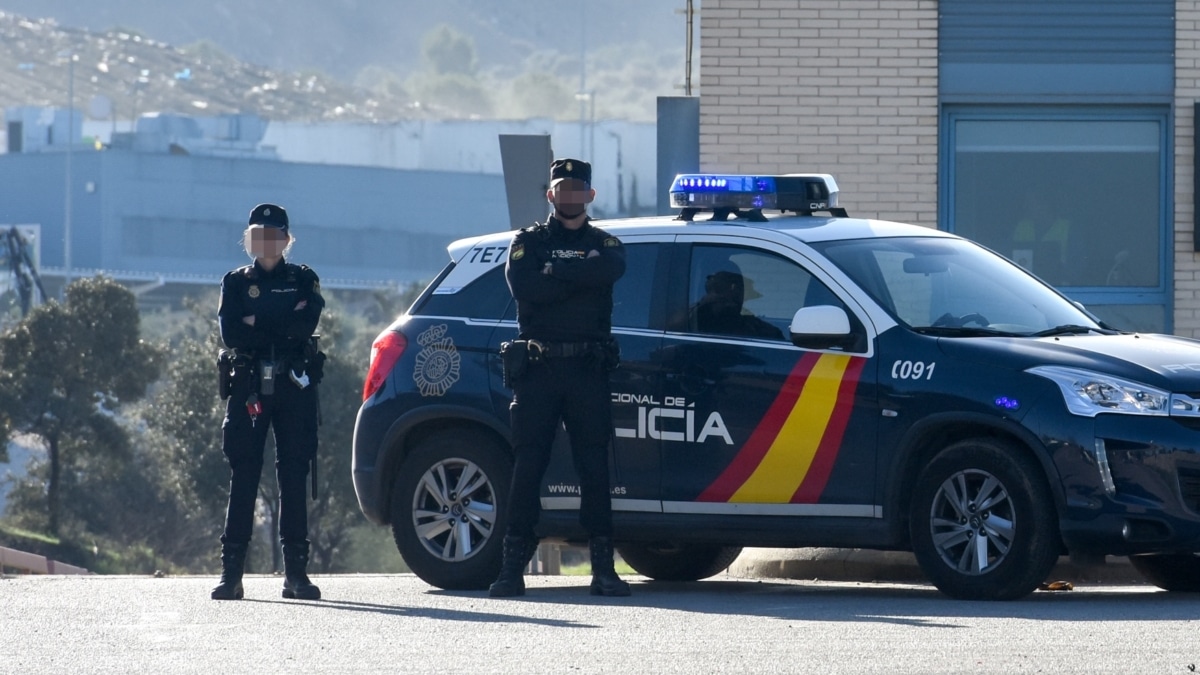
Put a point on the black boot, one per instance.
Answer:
(604, 578)
(517, 553)
(295, 576)
(233, 563)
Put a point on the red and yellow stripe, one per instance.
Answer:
(790, 454)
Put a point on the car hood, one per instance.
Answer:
(1164, 361)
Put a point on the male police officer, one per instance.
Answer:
(561, 274)
(267, 316)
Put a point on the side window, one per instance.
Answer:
(487, 297)
(632, 293)
(747, 292)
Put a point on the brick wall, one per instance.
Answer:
(1187, 93)
(847, 87)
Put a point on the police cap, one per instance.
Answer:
(270, 215)
(562, 169)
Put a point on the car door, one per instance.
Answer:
(636, 461)
(751, 423)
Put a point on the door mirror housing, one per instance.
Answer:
(821, 327)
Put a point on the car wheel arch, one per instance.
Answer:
(930, 436)
(410, 430)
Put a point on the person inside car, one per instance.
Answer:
(720, 310)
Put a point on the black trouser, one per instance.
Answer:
(575, 391)
(292, 413)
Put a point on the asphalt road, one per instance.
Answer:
(398, 624)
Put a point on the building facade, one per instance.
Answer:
(1059, 133)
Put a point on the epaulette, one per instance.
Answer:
(247, 271)
(540, 230)
(308, 272)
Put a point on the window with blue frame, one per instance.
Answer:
(1079, 200)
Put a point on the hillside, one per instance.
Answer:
(138, 75)
(341, 37)
(200, 56)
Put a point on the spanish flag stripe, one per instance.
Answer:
(783, 468)
(810, 490)
(765, 431)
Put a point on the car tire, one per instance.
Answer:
(991, 489)
(679, 562)
(1175, 572)
(448, 504)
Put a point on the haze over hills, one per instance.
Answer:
(337, 59)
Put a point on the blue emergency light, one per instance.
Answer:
(802, 193)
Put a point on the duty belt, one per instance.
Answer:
(565, 350)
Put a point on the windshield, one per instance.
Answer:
(955, 287)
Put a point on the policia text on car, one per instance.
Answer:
(269, 376)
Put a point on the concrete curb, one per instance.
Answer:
(34, 563)
(839, 564)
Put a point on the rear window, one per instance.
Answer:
(486, 298)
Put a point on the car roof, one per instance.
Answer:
(803, 228)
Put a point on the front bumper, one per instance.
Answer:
(1151, 502)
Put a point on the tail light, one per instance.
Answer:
(385, 352)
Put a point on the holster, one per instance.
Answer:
(231, 369)
(610, 351)
(515, 358)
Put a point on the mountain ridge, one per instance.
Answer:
(313, 52)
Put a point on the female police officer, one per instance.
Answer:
(267, 316)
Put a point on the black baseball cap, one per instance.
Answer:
(562, 169)
(270, 215)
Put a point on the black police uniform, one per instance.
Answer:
(564, 303)
(568, 311)
(282, 333)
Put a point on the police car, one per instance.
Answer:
(795, 377)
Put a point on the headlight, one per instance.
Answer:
(1087, 393)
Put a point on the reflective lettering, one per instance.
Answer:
(655, 423)
(912, 370)
(655, 432)
(487, 254)
(715, 426)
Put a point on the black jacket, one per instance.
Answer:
(563, 295)
(272, 298)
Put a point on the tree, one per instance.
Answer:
(450, 80)
(537, 94)
(335, 512)
(182, 449)
(446, 51)
(65, 371)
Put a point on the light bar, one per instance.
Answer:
(803, 193)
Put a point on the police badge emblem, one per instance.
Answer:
(437, 366)
(253, 292)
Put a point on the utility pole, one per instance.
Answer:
(71, 59)
(582, 96)
(688, 13)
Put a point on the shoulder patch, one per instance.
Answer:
(518, 252)
(611, 242)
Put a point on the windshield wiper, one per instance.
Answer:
(963, 331)
(1070, 329)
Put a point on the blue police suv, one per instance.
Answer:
(794, 377)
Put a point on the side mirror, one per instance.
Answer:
(821, 327)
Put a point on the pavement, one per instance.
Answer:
(839, 564)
